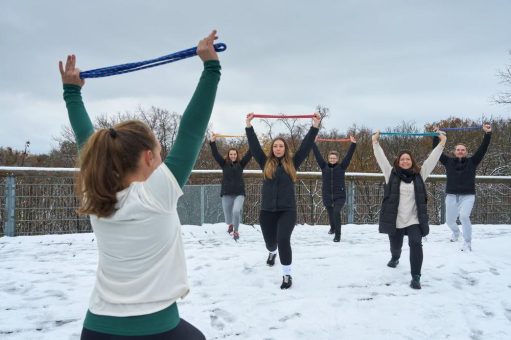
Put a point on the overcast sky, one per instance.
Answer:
(373, 63)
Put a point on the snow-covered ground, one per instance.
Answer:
(340, 290)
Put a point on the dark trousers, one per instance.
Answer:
(277, 227)
(415, 243)
(334, 215)
(184, 330)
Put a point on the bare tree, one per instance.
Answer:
(163, 123)
(505, 78)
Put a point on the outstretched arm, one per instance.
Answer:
(436, 140)
(192, 128)
(477, 157)
(216, 155)
(347, 158)
(308, 141)
(78, 116)
(381, 159)
(429, 164)
(244, 161)
(317, 154)
(253, 142)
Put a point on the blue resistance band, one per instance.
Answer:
(472, 128)
(136, 66)
(408, 133)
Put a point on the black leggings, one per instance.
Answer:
(415, 243)
(334, 215)
(277, 227)
(184, 330)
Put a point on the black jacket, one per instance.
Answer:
(461, 172)
(232, 172)
(333, 187)
(390, 204)
(278, 193)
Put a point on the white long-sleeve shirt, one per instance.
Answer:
(141, 267)
(407, 209)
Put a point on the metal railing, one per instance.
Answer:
(42, 201)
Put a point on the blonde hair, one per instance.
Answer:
(105, 160)
(272, 162)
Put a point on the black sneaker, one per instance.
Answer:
(337, 238)
(416, 282)
(271, 259)
(331, 231)
(287, 281)
(393, 263)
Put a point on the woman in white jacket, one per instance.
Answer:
(404, 205)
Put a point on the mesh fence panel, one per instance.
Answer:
(46, 204)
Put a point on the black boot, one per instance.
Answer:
(393, 262)
(271, 259)
(331, 231)
(416, 282)
(287, 281)
(337, 237)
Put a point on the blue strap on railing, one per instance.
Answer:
(472, 128)
(409, 134)
(136, 66)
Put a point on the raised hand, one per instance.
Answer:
(353, 139)
(70, 73)
(250, 116)
(316, 120)
(205, 49)
(442, 136)
(486, 128)
(376, 136)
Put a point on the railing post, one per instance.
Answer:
(10, 206)
(313, 206)
(350, 201)
(442, 210)
(202, 204)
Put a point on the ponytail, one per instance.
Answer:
(105, 160)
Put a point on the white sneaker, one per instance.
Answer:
(454, 237)
(467, 246)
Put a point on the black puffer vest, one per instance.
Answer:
(232, 179)
(333, 187)
(390, 204)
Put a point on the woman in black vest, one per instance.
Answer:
(404, 207)
(333, 188)
(233, 186)
(278, 207)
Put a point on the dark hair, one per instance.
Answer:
(105, 160)
(333, 152)
(228, 159)
(415, 168)
(272, 162)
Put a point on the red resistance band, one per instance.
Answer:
(340, 140)
(282, 116)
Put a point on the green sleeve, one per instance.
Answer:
(78, 117)
(194, 123)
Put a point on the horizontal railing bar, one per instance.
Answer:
(257, 173)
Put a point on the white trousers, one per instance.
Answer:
(459, 205)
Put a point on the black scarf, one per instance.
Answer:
(406, 175)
